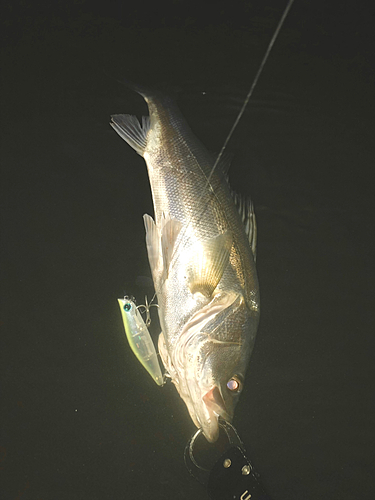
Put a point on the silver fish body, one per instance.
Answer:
(201, 249)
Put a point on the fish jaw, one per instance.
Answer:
(207, 358)
(205, 403)
(213, 407)
(205, 406)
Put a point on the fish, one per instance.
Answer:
(201, 246)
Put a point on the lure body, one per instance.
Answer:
(140, 339)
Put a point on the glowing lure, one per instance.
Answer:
(140, 339)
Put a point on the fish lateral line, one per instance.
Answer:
(243, 108)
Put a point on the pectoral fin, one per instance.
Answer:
(161, 244)
(208, 263)
(152, 243)
(169, 232)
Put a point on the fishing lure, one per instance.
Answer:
(139, 337)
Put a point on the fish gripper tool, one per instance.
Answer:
(228, 474)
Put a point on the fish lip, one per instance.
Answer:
(213, 407)
(211, 431)
(209, 427)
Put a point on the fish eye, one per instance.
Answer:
(127, 306)
(234, 384)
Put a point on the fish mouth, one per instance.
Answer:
(207, 416)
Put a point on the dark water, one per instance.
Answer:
(80, 418)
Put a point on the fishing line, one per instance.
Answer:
(239, 116)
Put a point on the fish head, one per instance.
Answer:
(215, 361)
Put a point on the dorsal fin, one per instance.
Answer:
(245, 208)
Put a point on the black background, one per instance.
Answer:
(80, 418)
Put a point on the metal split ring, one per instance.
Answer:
(197, 470)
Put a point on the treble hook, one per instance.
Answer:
(146, 309)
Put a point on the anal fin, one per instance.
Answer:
(129, 128)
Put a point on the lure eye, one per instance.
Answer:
(234, 384)
(127, 307)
